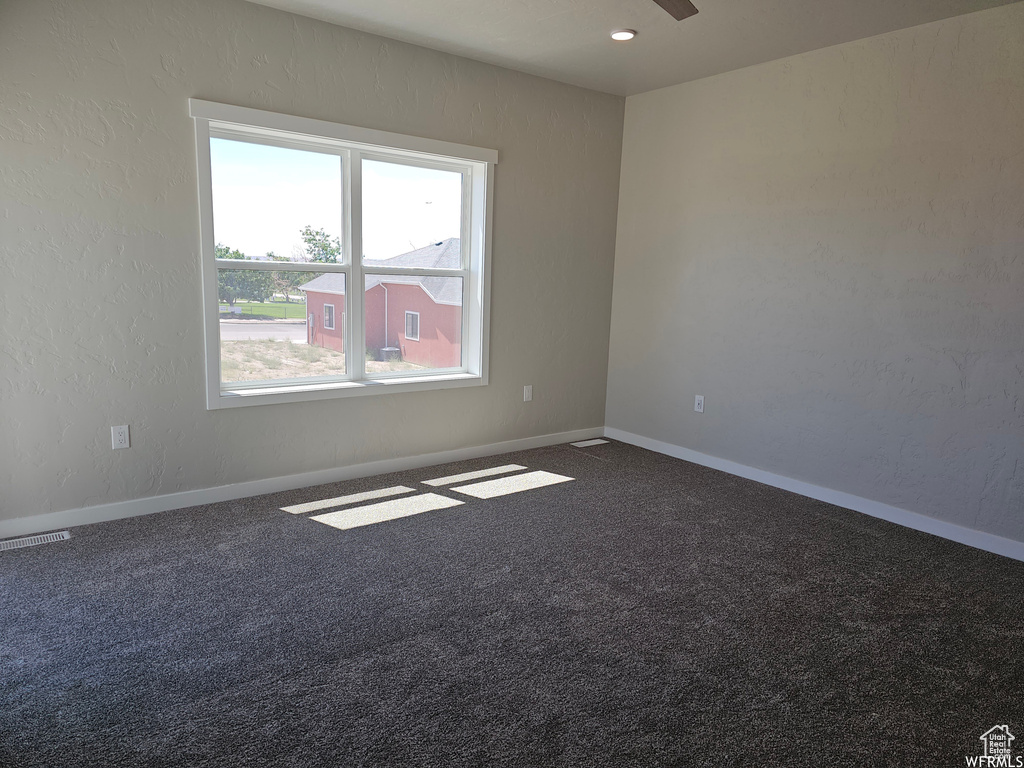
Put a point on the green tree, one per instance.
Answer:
(228, 288)
(257, 286)
(320, 246)
(289, 282)
(286, 282)
(241, 284)
(224, 252)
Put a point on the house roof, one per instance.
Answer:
(332, 282)
(446, 254)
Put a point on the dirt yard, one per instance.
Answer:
(268, 360)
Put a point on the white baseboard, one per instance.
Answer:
(972, 538)
(24, 526)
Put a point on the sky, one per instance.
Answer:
(263, 196)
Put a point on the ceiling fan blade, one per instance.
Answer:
(680, 9)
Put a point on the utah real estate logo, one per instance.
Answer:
(998, 750)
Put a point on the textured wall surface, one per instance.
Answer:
(100, 321)
(830, 248)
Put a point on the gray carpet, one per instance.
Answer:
(649, 613)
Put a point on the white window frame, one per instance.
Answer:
(407, 336)
(326, 326)
(351, 144)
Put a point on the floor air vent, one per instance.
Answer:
(31, 541)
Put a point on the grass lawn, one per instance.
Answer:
(292, 310)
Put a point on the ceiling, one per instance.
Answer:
(568, 40)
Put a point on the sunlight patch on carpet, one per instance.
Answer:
(370, 514)
(489, 489)
(341, 501)
(503, 470)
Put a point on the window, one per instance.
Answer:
(412, 326)
(297, 216)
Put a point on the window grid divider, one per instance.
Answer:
(355, 332)
(280, 266)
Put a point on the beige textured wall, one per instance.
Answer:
(100, 320)
(830, 248)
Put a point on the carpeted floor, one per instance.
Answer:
(650, 612)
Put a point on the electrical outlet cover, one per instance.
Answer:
(119, 437)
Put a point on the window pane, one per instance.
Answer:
(413, 323)
(274, 325)
(275, 203)
(407, 209)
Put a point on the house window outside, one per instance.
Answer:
(412, 326)
(285, 204)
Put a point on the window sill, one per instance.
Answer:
(236, 398)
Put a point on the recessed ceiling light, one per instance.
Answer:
(623, 34)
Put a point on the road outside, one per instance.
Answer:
(262, 330)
